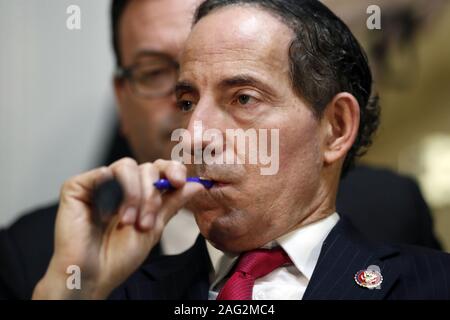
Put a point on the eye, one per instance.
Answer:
(185, 105)
(150, 75)
(245, 100)
(153, 76)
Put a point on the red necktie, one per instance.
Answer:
(252, 265)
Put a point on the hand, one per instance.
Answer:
(107, 255)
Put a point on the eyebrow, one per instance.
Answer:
(235, 81)
(184, 87)
(244, 80)
(151, 53)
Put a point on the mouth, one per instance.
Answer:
(222, 175)
(216, 183)
(220, 185)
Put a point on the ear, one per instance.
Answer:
(119, 91)
(341, 123)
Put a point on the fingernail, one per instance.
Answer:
(147, 221)
(130, 215)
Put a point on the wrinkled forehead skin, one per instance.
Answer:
(244, 36)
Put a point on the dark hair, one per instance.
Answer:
(325, 59)
(117, 10)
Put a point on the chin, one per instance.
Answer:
(232, 245)
(227, 233)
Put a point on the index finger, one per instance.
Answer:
(174, 171)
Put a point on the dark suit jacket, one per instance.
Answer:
(386, 207)
(408, 272)
(381, 204)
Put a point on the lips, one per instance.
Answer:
(222, 175)
(217, 183)
(220, 184)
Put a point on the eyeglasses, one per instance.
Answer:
(152, 77)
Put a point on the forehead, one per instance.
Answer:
(155, 25)
(245, 36)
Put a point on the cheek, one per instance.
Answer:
(141, 115)
(300, 164)
(132, 110)
(300, 143)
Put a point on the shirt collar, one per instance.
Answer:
(302, 245)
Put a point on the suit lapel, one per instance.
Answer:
(343, 254)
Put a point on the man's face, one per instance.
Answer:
(151, 34)
(235, 74)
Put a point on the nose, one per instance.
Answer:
(207, 121)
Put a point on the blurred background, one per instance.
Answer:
(410, 57)
(57, 110)
(56, 101)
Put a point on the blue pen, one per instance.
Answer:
(164, 184)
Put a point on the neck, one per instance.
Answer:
(324, 203)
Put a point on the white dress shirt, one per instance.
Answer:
(302, 245)
(180, 233)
